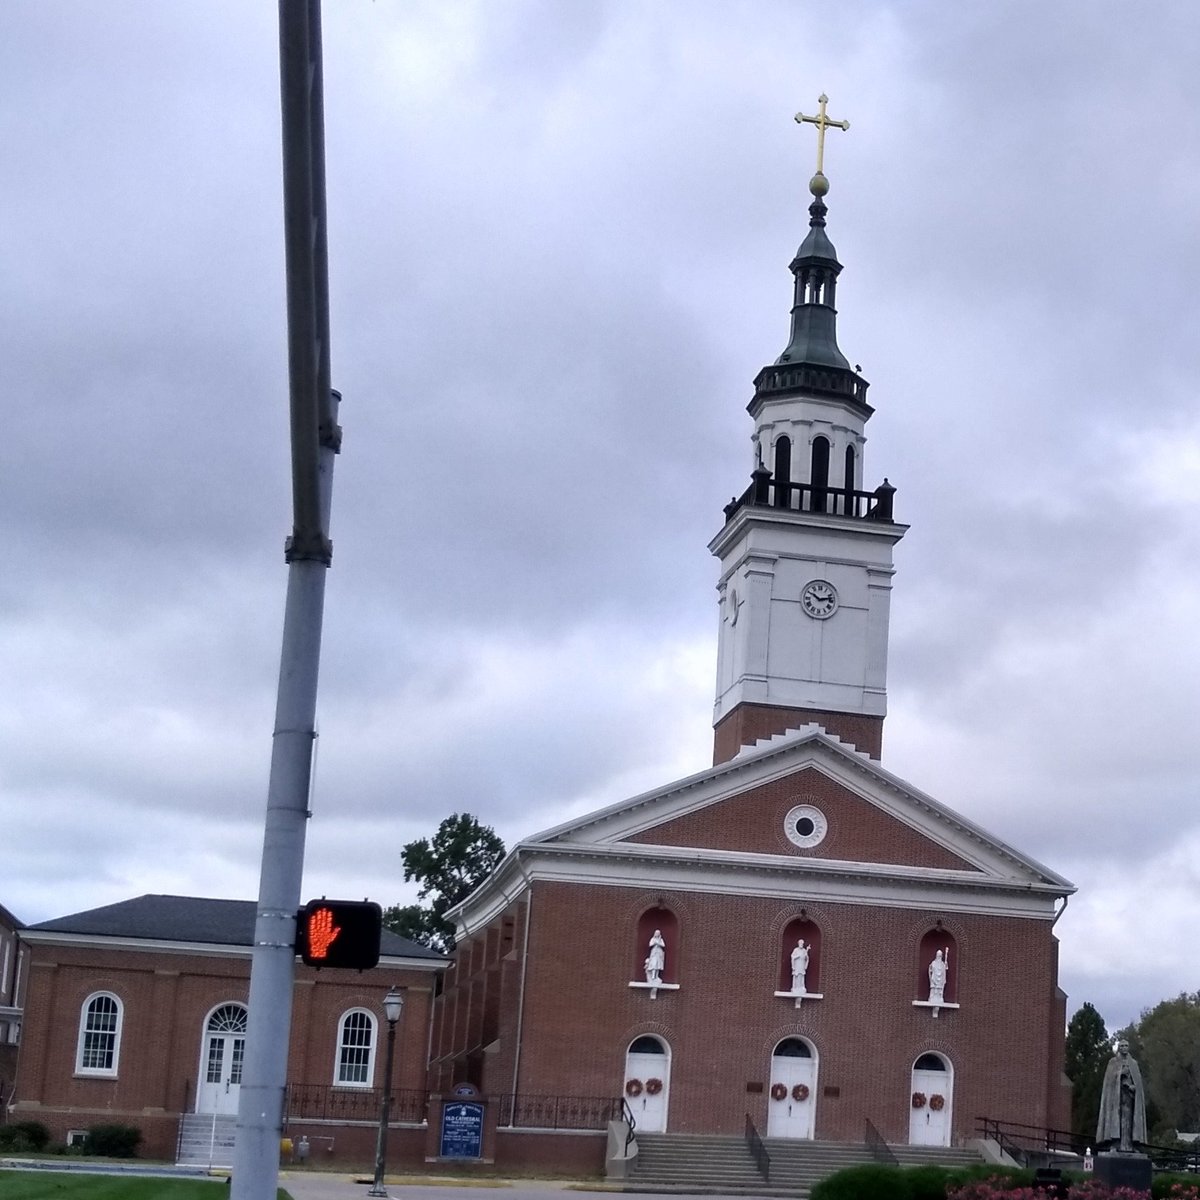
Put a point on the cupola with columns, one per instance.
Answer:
(805, 552)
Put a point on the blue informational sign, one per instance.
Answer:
(462, 1131)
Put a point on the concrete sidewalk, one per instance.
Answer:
(322, 1185)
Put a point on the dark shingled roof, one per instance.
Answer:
(194, 919)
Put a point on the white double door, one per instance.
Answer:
(929, 1125)
(790, 1116)
(649, 1106)
(222, 1051)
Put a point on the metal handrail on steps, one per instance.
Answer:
(762, 1160)
(880, 1150)
(627, 1113)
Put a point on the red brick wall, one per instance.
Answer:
(166, 999)
(753, 821)
(722, 1024)
(750, 722)
(475, 1018)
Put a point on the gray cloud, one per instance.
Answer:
(559, 240)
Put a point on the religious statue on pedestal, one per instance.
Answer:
(799, 967)
(937, 977)
(1122, 1122)
(656, 960)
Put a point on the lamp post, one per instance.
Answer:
(393, 1006)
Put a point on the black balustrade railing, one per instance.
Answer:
(881, 1152)
(758, 1151)
(766, 492)
(560, 1112)
(321, 1102)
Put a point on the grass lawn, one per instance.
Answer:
(75, 1185)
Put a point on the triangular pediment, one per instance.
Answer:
(804, 796)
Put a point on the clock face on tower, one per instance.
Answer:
(819, 599)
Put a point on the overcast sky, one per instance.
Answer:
(559, 237)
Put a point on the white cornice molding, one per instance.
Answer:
(825, 523)
(99, 941)
(717, 872)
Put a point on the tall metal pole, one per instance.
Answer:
(315, 440)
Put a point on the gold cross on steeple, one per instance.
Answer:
(822, 122)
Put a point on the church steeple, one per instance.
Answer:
(814, 316)
(806, 553)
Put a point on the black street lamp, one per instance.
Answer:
(393, 1006)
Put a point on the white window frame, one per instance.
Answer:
(80, 1045)
(338, 1061)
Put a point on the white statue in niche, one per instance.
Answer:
(656, 960)
(937, 977)
(799, 967)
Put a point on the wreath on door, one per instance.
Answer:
(937, 1102)
(633, 1088)
(653, 1087)
(918, 1099)
(800, 1091)
(778, 1091)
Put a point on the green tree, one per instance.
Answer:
(1166, 1042)
(449, 867)
(1088, 1050)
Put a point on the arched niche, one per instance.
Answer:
(933, 941)
(793, 931)
(666, 923)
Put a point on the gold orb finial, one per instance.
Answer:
(819, 185)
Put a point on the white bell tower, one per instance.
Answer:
(805, 552)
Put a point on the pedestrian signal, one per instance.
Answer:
(339, 933)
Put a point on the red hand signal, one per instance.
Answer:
(322, 933)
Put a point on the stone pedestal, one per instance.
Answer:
(1119, 1170)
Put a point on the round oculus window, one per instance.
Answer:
(805, 826)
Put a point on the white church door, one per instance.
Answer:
(792, 1107)
(932, 1099)
(648, 1083)
(222, 1051)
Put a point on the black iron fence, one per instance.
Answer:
(559, 1112)
(321, 1102)
(1032, 1145)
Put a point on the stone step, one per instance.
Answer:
(206, 1141)
(698, 1163)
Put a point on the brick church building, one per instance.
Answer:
(794, 934)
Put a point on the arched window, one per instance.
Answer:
(819, 476)
(99, 1045)
(356, 1049)
(930, 1062)
(783, 472)
(792, 1048)
(848, 477)
(647, 1044)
